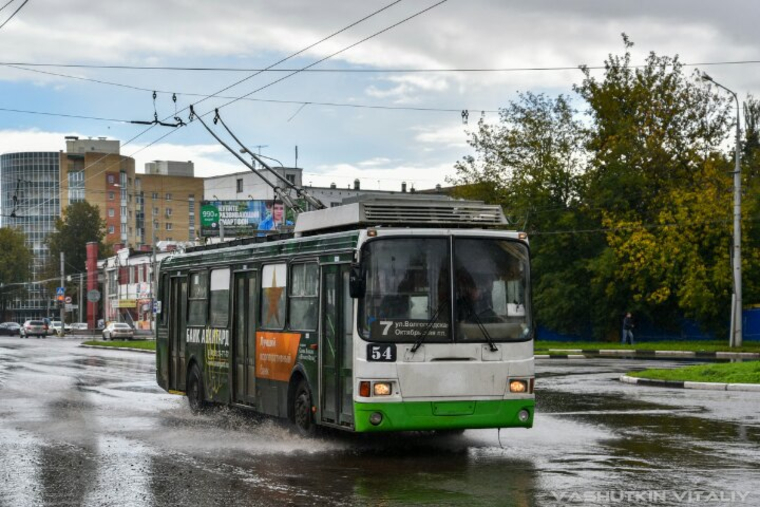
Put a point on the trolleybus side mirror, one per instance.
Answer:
(356, 284)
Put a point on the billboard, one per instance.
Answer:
(242, 218)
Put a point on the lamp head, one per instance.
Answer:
(706, 77)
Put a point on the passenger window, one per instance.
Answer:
(220, 297)
(304, 303)
(274, 281)
(198, 302)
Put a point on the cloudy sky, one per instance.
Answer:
(382, 127)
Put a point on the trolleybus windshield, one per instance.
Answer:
(409, 291)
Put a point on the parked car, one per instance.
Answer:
(55, 327)
(118, 330)
(10, 329)
(34, 328)
(78, 326)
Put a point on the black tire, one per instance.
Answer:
(195, 392)
(303, 416)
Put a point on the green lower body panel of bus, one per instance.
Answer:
(442, 415)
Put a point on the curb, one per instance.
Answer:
(561, 356)
(609, 353)
(144, 351)
(680, 384)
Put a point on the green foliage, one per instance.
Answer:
(15, 266)
(134, 344)
(629, 210)
(81, 223)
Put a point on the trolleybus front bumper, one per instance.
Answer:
(443, 415)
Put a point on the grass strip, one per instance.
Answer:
(732, 373)
(693, 346)
(133, 344)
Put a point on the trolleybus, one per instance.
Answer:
(378, 315)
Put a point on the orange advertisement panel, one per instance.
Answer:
(276, 354)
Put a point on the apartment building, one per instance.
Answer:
(136, 207)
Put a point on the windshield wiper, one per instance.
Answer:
(482, 328)
(428, 327)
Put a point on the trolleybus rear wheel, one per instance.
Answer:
(195, 390)
(303, 417)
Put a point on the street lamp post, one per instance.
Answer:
(736, 307)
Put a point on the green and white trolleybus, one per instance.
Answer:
(384, 314)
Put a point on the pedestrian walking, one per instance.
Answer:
(627, 329)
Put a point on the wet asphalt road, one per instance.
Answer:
(90, 427)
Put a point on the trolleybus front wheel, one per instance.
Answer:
(303, 417)
(195, 391)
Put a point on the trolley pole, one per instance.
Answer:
(63, 284)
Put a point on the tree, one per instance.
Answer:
(658, 180)
(15, 266)
(531, 163)
(628, 210)
(81, 223)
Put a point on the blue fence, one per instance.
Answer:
(649, 332)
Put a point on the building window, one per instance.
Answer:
(111, 212)
(76, 186)
(191, 204)
(239, 185)
(291, 178)
(168, 196)
(168, 226)
(111, 229)
(155, 211)
(168, 212)
(111, 180)
(154, 196)
(111, 196)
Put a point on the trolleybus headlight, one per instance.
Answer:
(382, 388)
(376, 418)
(523, 415)
(518, 386)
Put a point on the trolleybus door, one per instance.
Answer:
(337, 346)
(177, 326)
(244, 350)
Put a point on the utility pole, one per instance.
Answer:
(153, 281)
(63, 284)
(735, 339)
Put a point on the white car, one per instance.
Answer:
(34, 328)
(118, 330)
(55, 327)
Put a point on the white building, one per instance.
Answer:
(171, 168)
